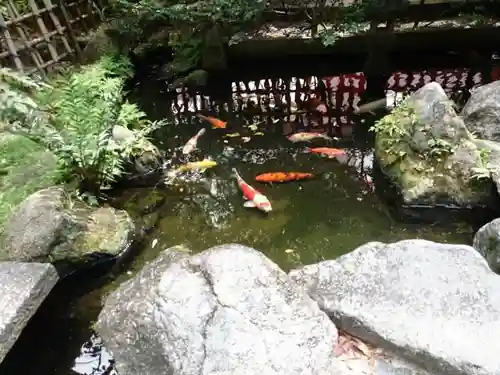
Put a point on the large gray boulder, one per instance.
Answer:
(23, 288)
(487, 243)
(435, 304)
(227, 310)
(49, 227)
(424, 147)
(481, 113)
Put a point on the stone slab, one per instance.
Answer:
(23, 287)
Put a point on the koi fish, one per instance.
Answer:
(215, 122)
(196, 165)
(190, 145)
(326, 151)
(282, 176)
(308, 137)
(253, 197)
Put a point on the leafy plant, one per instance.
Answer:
(74, 118)
(187, 23)
(83, 108)
(16, 104)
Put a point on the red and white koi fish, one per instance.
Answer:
(190, 145)
(253, 197)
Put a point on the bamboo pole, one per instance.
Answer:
(11, 47)
(58, 26)
(43, 30)
(35, 55)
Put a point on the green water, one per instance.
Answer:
(313, 220)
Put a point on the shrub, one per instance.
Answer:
(74, 118)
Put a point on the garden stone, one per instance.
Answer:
(147, 158)
(437, 305)
(481, 113)
(49, 227)
(23, 288)
(227, 310)
(487, 243)
(426, 150)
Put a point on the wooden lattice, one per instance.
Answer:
(44, 32)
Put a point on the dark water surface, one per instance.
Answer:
(313, 220)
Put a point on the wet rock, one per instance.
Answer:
(197, 79)
(214, 50)
(153, 42)
(147, 157)
(425, 148)
(48, 227)
(434, 304)
(487, 242)
(481, 113)
(23, 287)
(226, 310)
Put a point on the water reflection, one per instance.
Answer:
(282, 98)
(94, 359)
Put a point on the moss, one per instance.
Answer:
(26, 167)
(424, 162)
(107, 232)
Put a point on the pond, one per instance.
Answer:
(320, 218)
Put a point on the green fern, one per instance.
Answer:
(74, 118)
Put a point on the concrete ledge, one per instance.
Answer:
(23, 287)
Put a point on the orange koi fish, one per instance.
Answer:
(190, 145)
(215, 122)
(326, 151)
(253, 197)
(282, 176)
(308, 137)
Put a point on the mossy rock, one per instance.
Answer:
(425, 148)
(51, 227)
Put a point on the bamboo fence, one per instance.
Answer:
(36, 35)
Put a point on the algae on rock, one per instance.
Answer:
(50, 227)
(425, 148)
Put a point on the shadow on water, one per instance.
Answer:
(313, 220)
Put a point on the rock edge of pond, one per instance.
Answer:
(415, 306)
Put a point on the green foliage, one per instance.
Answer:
(397, 130)
(16, 104)
(22, 6)
(187, 23)
(25, 168)
(83, 108)
(349, 20)
(74, 118)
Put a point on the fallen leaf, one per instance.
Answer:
(232, 135)
(258, 133)
(253, 127)
(246, 139)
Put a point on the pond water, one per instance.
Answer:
(317, 219)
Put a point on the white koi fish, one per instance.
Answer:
(190, 145)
